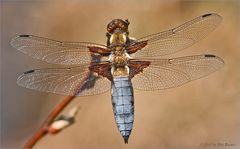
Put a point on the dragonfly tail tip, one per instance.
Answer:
(125, 139)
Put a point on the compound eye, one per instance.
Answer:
(126, 20)
(110, 28)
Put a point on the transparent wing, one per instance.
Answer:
(75, 81)
(53, 51)
(168, 73)
(179, 38)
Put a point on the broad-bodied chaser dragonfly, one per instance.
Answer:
(122, 64)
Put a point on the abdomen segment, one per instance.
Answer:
(123, 105)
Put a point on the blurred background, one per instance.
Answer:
(203, 111)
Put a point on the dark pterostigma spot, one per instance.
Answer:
(30, 71)
(209, 55)
(206, 15)
(24, 35)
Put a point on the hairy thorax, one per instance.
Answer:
(119, 60)
(117, 38)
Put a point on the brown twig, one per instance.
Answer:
(44, 128)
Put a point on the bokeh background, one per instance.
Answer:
(205, 111)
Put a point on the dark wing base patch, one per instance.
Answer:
(137, 66)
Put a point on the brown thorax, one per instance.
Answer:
(117, 34)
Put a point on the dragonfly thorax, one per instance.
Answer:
(119, 59)
(117, 38)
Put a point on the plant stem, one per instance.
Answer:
(43, 129)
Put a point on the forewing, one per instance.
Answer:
(53, 51)
(178, 38)
(168, 73)
(75, 81)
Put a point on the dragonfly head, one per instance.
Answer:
(117, 31)
(118, 25)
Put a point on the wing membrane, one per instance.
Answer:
(75, 81)
(179, 38)
(53, 51)
(168, 73)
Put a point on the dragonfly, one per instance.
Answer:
(123, 64)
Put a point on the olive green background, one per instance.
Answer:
(203, 112)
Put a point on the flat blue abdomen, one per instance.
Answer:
(123, 105)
